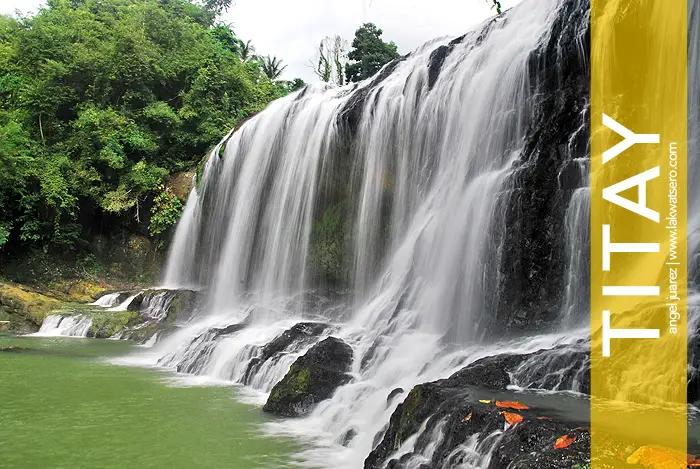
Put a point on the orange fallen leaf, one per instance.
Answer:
(512, 418)
(564, 441)
(658, 457)
(511, 405)
(544, 418)
(486, 401)
(468, 417)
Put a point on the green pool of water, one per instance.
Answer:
(62, 405)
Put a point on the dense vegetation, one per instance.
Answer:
(101, 100)
(369, 53)
(333, 64)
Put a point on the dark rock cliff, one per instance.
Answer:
(526, 276)
(530, 278)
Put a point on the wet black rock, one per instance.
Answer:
(393, 394)
(291, 340)
(452, 406)
(312, 378)
(437, 58)
(348, 436)
(529, 282)
(461, 418)
(530, 445)
(426, 399)
(352, 111)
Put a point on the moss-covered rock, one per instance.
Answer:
(312, 378)
(24, 309)
(174, 304)
(110, 323)
(329, 257)
(298, 336)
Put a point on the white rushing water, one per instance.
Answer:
(432, 159)
(107, 301)
(124, 304)
(56, 325)
(421, 188)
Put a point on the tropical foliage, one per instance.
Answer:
(101, 100)
(272, 67)
(369, 53)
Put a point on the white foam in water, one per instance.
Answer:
(124, 304)
(106, 301)
(56, 325)
(152, 341)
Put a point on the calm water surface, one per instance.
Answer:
(62, 405)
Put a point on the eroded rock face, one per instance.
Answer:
(530, 279)
(173, 304)
(445, 404)
(311, 379)
(154, 311)
(427, 399)
(498, 445)
(300, 335)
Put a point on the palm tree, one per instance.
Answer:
(245, 50)
(272, 67)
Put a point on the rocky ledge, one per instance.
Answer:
(300, 335)
(311, 379)
(456, 424)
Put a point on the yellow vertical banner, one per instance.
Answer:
(638, 233)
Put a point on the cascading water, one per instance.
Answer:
(107, 301)
(577, 224)
(407, 189)
(61, 325)
(124, 304)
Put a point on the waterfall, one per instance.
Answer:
(433, 160)
(124, 304)
(107, 301)
(436, 193)
(577, 231)
(178, 271)
(60, 325)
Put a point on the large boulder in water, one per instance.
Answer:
(311, 379)
(300, 335)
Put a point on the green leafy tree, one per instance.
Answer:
(272, 67)
(101, 100)
(245, 50)
(217, 6)
(165, 212)
(369, 53)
